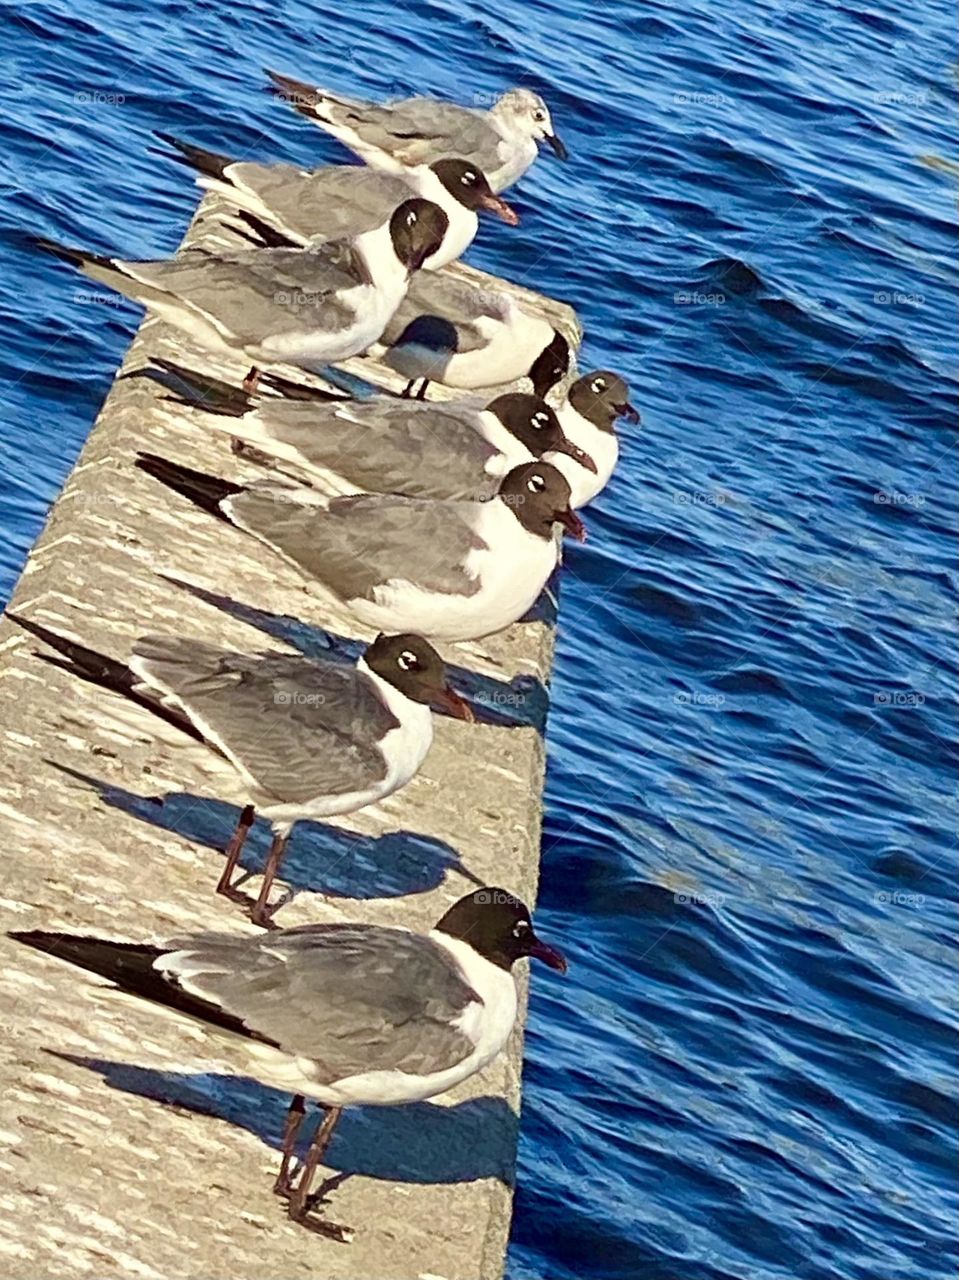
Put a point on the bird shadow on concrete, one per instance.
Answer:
(320, 858)
(419, 1143)
(204, 390)
(522, 702)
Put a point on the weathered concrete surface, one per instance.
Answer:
(127, 1149)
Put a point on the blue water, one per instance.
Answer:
(750, 1070)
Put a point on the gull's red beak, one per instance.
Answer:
(551, 956)
(574, 451)
(451, 702)
(495, 204)
(572, 524)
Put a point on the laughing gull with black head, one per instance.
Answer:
(280, 734)
(450, 332)
(345, 1014)
(414, 131)
(449, 570)
(588, 416)
(343, 201)
(281, 305)
(444, 449)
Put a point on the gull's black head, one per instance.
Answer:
(534, 424)
(499, 927)
(411, 664)
(551, 365)
(538, 496)
(467, 183)
(417, 229)
(601, 398)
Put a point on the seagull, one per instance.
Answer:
(447, 449)
(281, 305)
(346, 1014)
(284, 735)
(413, 131)
(588, 417)
(447, 570)
(449, 332)
(337, 202)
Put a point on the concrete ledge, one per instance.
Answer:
(125, 1154)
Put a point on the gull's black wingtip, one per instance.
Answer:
(40, 939)
(76, 257)
(213, 164)
(204, 491)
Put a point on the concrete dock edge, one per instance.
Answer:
(126, 1148)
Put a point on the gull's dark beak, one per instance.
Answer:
(451, 702)
(552, 956)
(559, 149)
(628, 412)
(579, 455)
(495, 204)
(572, 524)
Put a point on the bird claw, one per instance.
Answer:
(320, 1226)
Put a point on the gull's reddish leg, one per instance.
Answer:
(261, 914)
(294, 1118)
(235, 848)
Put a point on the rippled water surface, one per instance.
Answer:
(750, 1071)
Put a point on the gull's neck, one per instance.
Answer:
(379, 256)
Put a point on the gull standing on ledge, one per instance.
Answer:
(447, 449)
(280, 734)
(346, 1014)
(340, 201)
(588, 417)
(414, 131)
(450, 570)
(281, 305)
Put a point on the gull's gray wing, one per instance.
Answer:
(421, 130)
(351, 998)
(439, 311)
(416, 448)
(300, 729)
(357, 544)
(445, 295)
(335, 202)
(256, 292)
